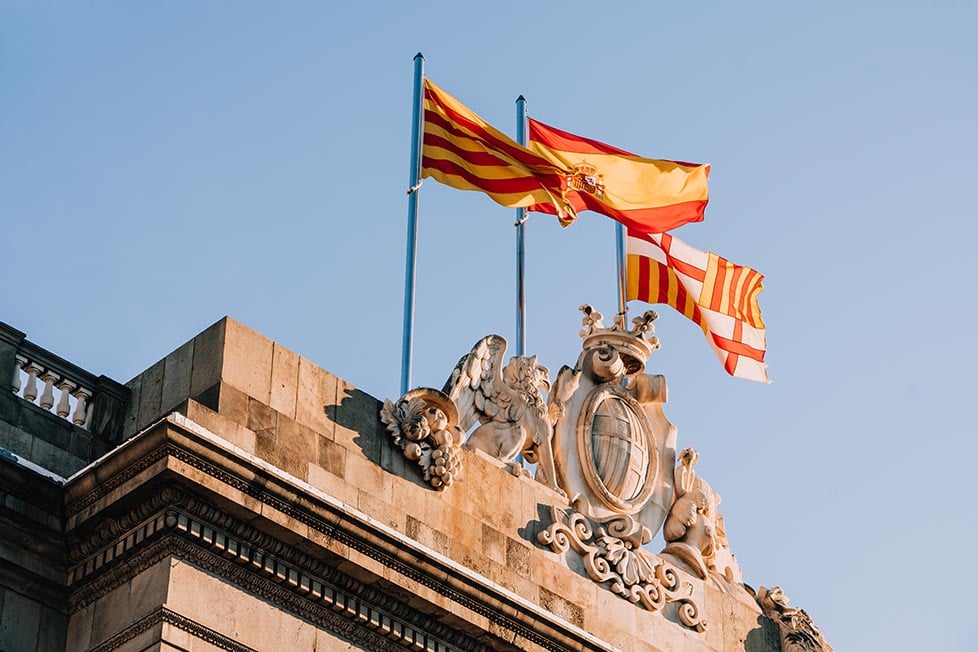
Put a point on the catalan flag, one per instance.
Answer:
(463, 151)
(645, 194)
(713, 292)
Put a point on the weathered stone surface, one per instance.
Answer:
(315, 396)
(285, 381)
(150, 395)
(219, 424)
(208, 358)
(113, 613)
(52, 630)
(177, 372)
(20, 621)
(247, 360)
(79, 635)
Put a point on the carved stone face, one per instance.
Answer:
(417, 428)
(523, 371)
(436, 418)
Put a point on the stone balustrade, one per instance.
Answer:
(42, 378)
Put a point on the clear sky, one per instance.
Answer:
(165, 164)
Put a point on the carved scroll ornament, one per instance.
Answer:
(612, 555)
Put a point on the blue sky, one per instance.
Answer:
(165, 164)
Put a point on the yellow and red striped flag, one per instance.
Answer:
(463, 151)
(646, 194)
(713, 292)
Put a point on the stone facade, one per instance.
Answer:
(245, 499)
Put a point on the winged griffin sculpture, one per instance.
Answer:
(507, 404)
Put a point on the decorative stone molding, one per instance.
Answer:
(612, 554)
(423, 424)
(164, 615)
(122, 532)
(798, 632)
(259, 564)
(177, 439)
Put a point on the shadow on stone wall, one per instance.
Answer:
(764, 637)
(533, 527)
(359, 412)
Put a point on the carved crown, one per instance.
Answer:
(635, 345)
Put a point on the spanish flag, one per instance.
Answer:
(718, 295)
(463, 151)
(646, 194)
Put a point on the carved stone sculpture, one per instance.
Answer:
(798, 632)
(694, 532)
(601, 438)
(690, 532)
(614, 450)
(612, 554)
(725, 562)
(424, 425)
(506, 402)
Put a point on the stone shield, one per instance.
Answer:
(617, 448)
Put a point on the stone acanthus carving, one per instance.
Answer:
(694, 531)
(423, 424)
(612, 553)
(798, 632)
(507, 404)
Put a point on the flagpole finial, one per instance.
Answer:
(520, 98)
(419, 56)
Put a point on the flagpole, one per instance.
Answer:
(620, 255)
(412, 232)
(520, 241)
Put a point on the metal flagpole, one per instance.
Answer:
(620, 255)
(520, 241)
(412, 233)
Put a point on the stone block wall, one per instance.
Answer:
(33, 608)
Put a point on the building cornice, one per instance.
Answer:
(176, 449)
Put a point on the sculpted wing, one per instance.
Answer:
(476, 384)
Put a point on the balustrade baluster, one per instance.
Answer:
(64, 407)
(19, 362)
(47, 396)
(30, 390)
(81, 408)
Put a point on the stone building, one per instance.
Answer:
(235, 496)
